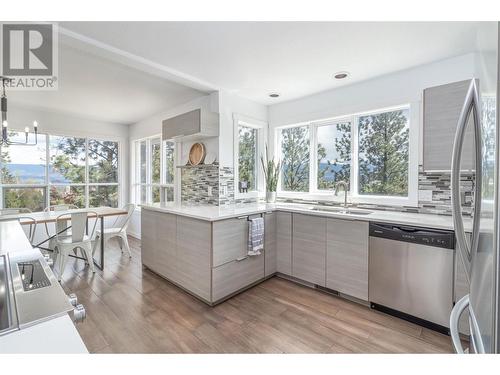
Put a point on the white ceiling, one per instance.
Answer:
(295, 59)
(94, 87)
(126, 71)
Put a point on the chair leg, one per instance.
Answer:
(88, 253)
(123, 237)
(97, 242)
(63, 259)
(120, 242)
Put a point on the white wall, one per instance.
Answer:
(230, 104)
(386, 91)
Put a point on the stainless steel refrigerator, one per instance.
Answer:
(479, 252)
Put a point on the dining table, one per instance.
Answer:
(46, 217)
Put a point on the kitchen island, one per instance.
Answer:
(203, 249)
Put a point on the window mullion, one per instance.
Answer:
(354, 156)
(87, 186)
(313, 157)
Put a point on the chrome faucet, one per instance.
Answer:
(345, 185)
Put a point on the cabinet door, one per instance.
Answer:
(236, 275)
(194, 239)
(442, 106)
(284, 242)
(166, 248)
(270, 243)
(149, 238)
(182, 125)
(309, 248)
(347, 257)
(230, 240)
(461, 289)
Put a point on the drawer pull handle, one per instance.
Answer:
(241, 258)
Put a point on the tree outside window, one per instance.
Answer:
(383, 153)
(295, 155)
(26, 184)
(334, 154)
(247, 159)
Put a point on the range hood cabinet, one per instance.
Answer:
(192, 125)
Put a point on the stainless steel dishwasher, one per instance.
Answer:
(411, 273)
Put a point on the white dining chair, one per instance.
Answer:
(118, 230)
(28, 224)
(61, 227)
(77, 239)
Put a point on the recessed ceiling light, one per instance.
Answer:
(274, 95)
(341, 75)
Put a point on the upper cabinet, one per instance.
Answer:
(442, 107)
(191, 125)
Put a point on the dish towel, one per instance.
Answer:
(255, 236)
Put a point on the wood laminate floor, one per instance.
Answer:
(132, 310)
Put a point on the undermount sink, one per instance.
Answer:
(342, 210)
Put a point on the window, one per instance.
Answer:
(169, 157)
(59, 170)
(295, 156)
(383, 153)
(67, 170)
(248, 146)
(333, 154)
(370, 151)
(154, 175)
(247, 159)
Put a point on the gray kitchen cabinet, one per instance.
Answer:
(347, 257)
(461, 289)
(149, 238)
(236, 275)
(309, 248)
(284, 243)
(230, 240)
(270, 243)
(158, 243)
(166, 255)
(194, 250)
(442, 106)
(190, 125)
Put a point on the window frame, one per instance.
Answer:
(261, 128)
(87, 184)
(149, 184)
(353, 193)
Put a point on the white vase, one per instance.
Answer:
(270, 196)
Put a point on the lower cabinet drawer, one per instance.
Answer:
(235, 275)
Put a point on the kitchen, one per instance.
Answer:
(340, 214)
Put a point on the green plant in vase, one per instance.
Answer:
(272, 171)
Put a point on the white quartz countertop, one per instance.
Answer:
(215, 213)
(56, 336)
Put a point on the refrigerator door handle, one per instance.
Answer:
(457, 311)
(471, 106)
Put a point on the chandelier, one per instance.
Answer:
(5, 134)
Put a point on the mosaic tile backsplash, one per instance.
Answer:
(195, 183)
(434, 191)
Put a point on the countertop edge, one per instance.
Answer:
(377, 216)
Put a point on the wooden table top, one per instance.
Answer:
(50, 217)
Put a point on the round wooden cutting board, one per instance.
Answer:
(197, 154)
